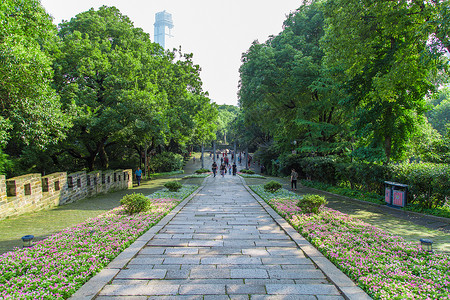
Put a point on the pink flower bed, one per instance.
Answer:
(385, 266)
(57, 266)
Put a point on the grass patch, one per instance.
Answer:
(155, 175)
(442, 211)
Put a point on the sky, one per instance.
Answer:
(217, 32)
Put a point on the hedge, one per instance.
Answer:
(429, 183)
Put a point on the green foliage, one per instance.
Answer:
(439, 115)
(31, 113)
(134, 203)
(247, 171)
(227, 115)
(166, 162)
(428, 184)
(311, 203)
(199, 171)
(272, 186)
(173, 186)
(287, 92)
(378, 66)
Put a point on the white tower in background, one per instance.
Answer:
(163, 25)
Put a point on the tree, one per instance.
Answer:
(286, 90)
(124, 90)
(439, 115)
(30, 109)
(227, 115)
(381, 46)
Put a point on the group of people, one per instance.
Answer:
(223, 169)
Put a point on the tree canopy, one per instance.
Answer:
(347, 78)
(119, 93)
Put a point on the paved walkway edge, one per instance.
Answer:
(348, 288)
(91, 288)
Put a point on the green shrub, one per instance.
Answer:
(272, 186)
(199, 171)
(173, 186)
(311, 203)
(428, 183)
(166, 162)
(247, 171)
(134, 203)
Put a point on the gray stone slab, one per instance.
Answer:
(286, 261)
(204, 273)
(220, 251)
(141, 274)
(152, 250)
(130, 281)
(168, 242)
(248, 273)
(181, 251)
(121, 298)
(177, 274)
(269, 281)
(295, 274)
(286, 252)
(245, 289)
(283, 297)
(178, 297)
(205, 243)
(306, 289)
(275, 243)
(182, 260)
(202, 289)
(239, 243)
(230, 260)
(256, 252)
(146, 260)
(139, 290)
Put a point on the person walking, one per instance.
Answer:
(138, 175)
(222, 170)
(234, 169)
(214, 168)
(294, 176)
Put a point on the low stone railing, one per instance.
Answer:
(33, 192)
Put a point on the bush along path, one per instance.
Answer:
(56, 267)
(385, 266)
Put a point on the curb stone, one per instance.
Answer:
(93, 287)
(344, 284)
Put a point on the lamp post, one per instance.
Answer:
(426, 245)
(27, 241)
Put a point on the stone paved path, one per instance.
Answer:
(221, 245)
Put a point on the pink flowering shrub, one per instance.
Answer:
(385, 266)
(56, 267)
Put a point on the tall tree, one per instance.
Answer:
(381, 46)
(287, 92)
(30, 109)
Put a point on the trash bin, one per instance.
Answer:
(395, 193)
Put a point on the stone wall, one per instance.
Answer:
(33, 192)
